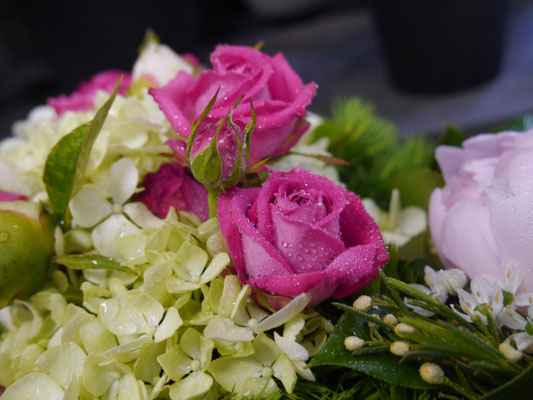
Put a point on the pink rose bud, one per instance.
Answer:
(10, 196)
(299, 233)
(217, 153)
(278, 95)
(83, 98)
(172, 186)
(482, 220)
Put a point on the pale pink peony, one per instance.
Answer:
(299, 233)
(482, 220)
(10, 196)
(172, 186)
(83, 98)
(278, 95)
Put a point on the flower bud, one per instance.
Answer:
(403, 328)
(432, 373)
(390, 319)
(399, 348)
(362, 303)
(353, 343)
(510, 352)
(26, 249)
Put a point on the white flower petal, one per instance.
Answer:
(293, 350)
(141, 215)
(104, 236)
(123, 178)
(193, 386)
(89, 206)
(512, 319)
(168, 326)
(287, 313)
(34, 386)
(224, 329)
(412, 221)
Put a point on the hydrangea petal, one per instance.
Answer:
(104, 236)
(34, 386)
(141, 215)
(192, 387)
(224, 329)
(169, 325)
(123, 179)
(175, 363)
(89, 206)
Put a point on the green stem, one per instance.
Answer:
(212, 196)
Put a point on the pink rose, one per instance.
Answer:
(83, 98)
(301, 232)
(10, 196)
(277, 93)
(172, 186)
(482, 220)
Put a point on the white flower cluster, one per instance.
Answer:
(486, 298)
(175, 329)
(134, 128)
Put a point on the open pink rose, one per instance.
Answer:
(482, 220)
(278, 95)
(301, 233)
(83, 98)
(172, 186)
(10, 196)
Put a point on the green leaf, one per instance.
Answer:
(452, 136)
(91, 261)
(149, 37)
(520, 124)
(416, 186)
(196, 124)
(207, 165)
(386, 367)
(67, 162)
(519, 388)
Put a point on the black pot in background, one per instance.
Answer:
(433, 46)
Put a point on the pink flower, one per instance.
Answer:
(301, 232)
(172, 186)
(277, 93)
(482, 220)
(83, 98)
(10, 196)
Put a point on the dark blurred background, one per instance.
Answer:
(48, 47)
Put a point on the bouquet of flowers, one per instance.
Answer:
(182, 232)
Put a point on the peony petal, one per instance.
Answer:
(123, 178)
(511, 224)
(89, 206)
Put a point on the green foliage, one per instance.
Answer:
(67, 162)
(91, 261)
(520, 124)
(371, 146)
(379, 364)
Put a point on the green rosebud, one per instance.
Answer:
(26, 249)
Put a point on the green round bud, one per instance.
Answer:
(26, 250)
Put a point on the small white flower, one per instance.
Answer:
(399, 225)
(90, 206)
(450, 279)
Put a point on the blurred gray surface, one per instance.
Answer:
(332, 43)
(340, 52)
